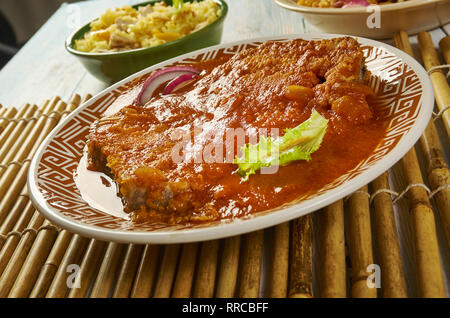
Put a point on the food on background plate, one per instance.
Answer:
(127, 28)
(172, 157)
(343, 3)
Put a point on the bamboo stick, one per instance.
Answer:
(401, 40)
(331, 251)
(18, 135)
(438, 177)
(438, 173)
(280, 262)
(25, 132)
(30, 268)
(9, 273)
(429, 271)
(88, 268)
(16, 215)
(7, 114)
(11, 132)
(2, 119)
(62, 241)
(168, 266)
(10, 126)
(441, 88)
(250, 268)
(42, 245)
(9, 129)
(128, 271)
(300, 267)
(58, 287)
(42, 127)
(32, 138)
(50, 266)
(428, 260)
(228, 270)
(14, 177)
(11, 242)
(86, 98)
(20, 253)
(105, 277)
(206, 271)
(444, 44)
(9, 120)
(393, 283)
(185, 274)
(360, 243)
(13, 216)
(146, 273)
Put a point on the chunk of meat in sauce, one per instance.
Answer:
(352, 108)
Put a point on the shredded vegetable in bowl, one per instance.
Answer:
(127, 28)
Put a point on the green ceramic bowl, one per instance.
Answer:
(112, 67)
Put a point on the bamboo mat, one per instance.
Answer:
(400, 221)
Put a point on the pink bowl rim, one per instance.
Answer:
(411, 4)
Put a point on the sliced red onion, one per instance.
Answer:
(353, 3)
(179, 82)
(160, 77)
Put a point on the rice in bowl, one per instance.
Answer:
(127, 28)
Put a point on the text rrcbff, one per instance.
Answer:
(247, 307)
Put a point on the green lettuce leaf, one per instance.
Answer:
(297, 144)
